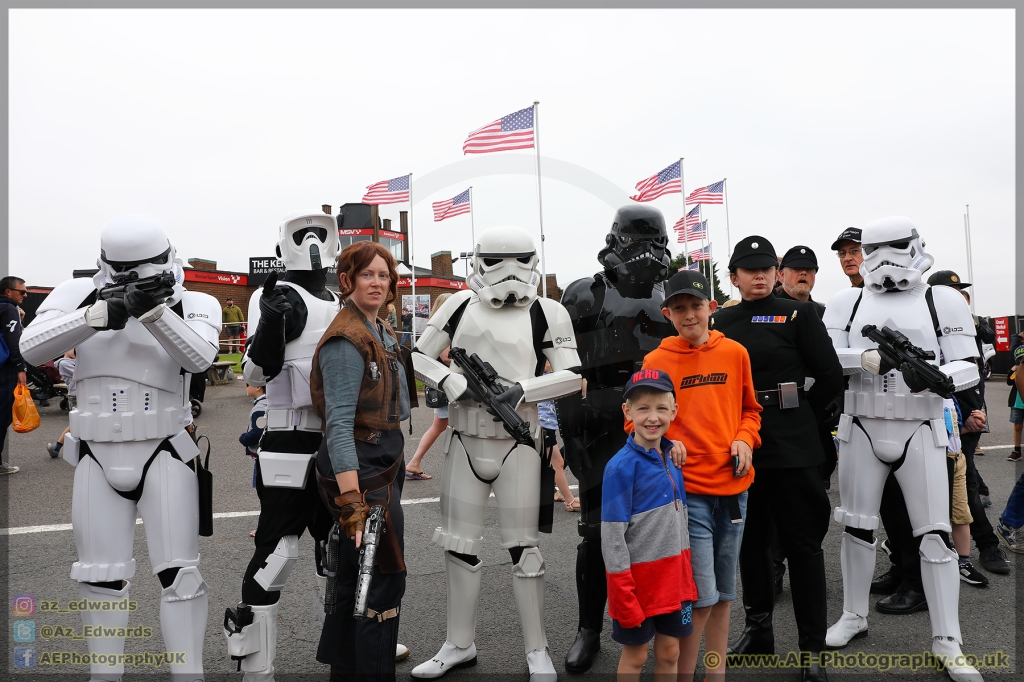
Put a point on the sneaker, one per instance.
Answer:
(1014, 456)
(1013, 538)
(970, 575)
(985, 501)
(993, 560)
(978, 452)
(8, 469)
(53, 449)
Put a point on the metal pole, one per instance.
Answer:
(412, 264)
(728, 239)
(540, 203)
(970, 256)
(686, 236)
(472, 225)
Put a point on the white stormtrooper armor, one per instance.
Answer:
(885, 426)
(307, 244)
(127, 437)
(497, 320)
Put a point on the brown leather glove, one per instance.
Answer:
(353, 511)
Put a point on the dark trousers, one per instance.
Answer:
(591, 582)
(8, 381)
(903, 546)
(796, 501)
(285, 511)
(981, 529)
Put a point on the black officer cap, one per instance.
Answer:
(799, 257)
(687, 282)
(753, 252)
(850, 234)
(947, 278)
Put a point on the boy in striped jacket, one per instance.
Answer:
(644, 537)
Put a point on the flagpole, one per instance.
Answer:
(728, 240)
(700, 218)
(412, 265)
(472, 226)
(540, 203)
(970, 255)
(686, 236)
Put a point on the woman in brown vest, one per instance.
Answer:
(360, 388)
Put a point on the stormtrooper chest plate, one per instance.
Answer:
(502, 337)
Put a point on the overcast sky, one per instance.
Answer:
(220, 122)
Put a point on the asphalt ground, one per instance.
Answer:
(39, 551)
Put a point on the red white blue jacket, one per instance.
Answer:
(644, 536)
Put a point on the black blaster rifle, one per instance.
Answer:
(156, 283)
(372, 532)
(899, 352)
(483, 381)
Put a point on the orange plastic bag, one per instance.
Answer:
(26, 417)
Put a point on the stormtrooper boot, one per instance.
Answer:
(115, 617)
(528, 589)
(183, 609)
(857, 559)
(458, 651)
(940, 577)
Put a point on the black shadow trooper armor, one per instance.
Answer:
(617, 317)
(288, 318)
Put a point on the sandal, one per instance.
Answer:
(417, 476)
(558, 497)
(573, 506)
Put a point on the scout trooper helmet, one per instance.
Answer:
(636, 247)
(894, 256)
(505, 267)
(135, 247)
(308, 241)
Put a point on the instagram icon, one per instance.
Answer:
(23, 605)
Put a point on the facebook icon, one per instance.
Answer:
(24, 657)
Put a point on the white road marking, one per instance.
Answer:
(52, 528)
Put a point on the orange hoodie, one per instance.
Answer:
(717, 405)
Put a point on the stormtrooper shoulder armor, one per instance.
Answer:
(442, 324)
(60, 322)
(66, 297)
(839, 314)
(953, 324)
(202, 312)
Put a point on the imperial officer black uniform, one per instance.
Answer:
(787, 344)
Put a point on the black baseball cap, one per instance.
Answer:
(753, 252)
(947, 278)
(850, 234)
(799, 257)
(652, 378)
(687, 282)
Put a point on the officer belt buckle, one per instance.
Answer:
(786, 396)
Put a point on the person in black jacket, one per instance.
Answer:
(787, 343)
(12, 371)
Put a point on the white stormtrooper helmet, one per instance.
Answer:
(894, 256)
(135, 246)
(505, 267)
(308, 240)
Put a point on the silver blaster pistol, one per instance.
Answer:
(367, 553)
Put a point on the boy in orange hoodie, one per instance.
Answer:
(718, 422)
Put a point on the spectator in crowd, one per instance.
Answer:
(12, 370)
(66, 367)
(1010, 530)
(1015, 403)
(233, 318)
(960, 512)
(847, 247)
(257, 423)
(718, 423)
(414, 469)
(650, 583)
(392, 317)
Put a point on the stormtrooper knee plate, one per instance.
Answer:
(183, 610)
(274, 574)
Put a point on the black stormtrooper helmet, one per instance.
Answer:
(637, 246)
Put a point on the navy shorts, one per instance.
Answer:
(676, 624)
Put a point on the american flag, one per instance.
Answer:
(688, 220)
(697, 233)
(514, 131)
(712, 194)
(701, 254)
(393, 191)
(666, 181)
(457, 205)
(694, 266)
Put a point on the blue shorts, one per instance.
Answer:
(714, 546)
(676, 624)
(1016, 415)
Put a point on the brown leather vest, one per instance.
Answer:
(380, 391)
